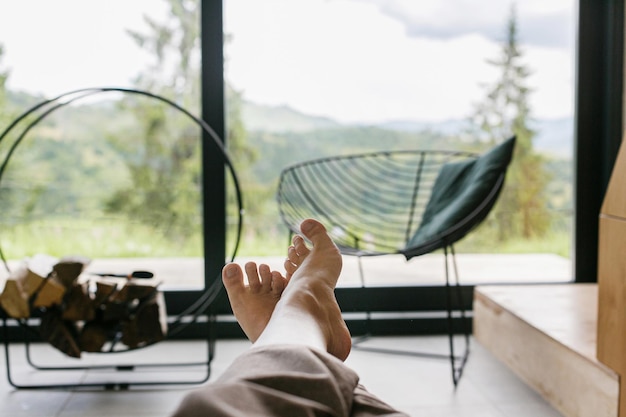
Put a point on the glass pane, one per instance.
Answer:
(112, 176)
(318, 78)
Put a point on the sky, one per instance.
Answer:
(356, 61)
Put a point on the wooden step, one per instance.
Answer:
(546, 334)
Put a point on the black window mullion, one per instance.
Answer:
(598, 122)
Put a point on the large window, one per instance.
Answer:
(302, 80)
(315, 78)
(116, 177)
(305, 80)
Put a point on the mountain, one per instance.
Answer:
(553, 136)
(258, 117)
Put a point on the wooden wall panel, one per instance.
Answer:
(614, 204)
(611, 335)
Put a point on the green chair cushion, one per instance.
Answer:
(459, 189)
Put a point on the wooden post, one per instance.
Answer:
(611, 336)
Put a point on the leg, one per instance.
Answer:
(296, 364)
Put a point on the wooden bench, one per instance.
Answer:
(569, 341)
(546, 334)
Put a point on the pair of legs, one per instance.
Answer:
(300, 340)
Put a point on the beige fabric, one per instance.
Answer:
(285, 380)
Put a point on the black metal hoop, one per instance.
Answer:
(191, 314)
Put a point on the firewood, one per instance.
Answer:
(59, 333)
(23, 286)
(39, 267)
(113, 311)
(14, 301)
(134, 290)
(104, 291)
(78, 304)
(69, 268)
(93, 336)
(42, 291)
(49, 294)
(148, 324)
(29, 281)
(75, 318)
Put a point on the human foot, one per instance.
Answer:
(253, 303)
(307, 312)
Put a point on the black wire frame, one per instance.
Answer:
(176, 324)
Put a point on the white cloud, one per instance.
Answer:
(453, 18)
(56, 46)
(346, 60)
(339, 58)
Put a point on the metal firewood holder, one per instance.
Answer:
(197, 312)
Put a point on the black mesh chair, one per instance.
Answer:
(399, 202)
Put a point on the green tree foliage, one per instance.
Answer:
(162, 152)
(163, 156)
(522, 208)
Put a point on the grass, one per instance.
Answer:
(95, 239)
(556, 242)
(111, 238)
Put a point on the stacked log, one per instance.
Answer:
(83, 315)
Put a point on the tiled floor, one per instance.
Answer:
(421, 387)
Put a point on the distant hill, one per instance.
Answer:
(554, 136)
(258, 117)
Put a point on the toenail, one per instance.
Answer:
(305, 226)
(230, 272)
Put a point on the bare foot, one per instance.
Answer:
(308, 302)
(253, 303)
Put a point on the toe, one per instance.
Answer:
(292, 256)
(232, 277)
(266, 278)
(290, 267)
(254, 281)
(315, 232)
(278, 283)
(300, 249)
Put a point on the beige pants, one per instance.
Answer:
(285, 381)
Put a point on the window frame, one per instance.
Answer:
(213, 172)
(599, 125)
(598, 136)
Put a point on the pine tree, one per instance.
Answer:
(504, 112)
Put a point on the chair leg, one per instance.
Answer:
(368, 315)
(457, 363)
